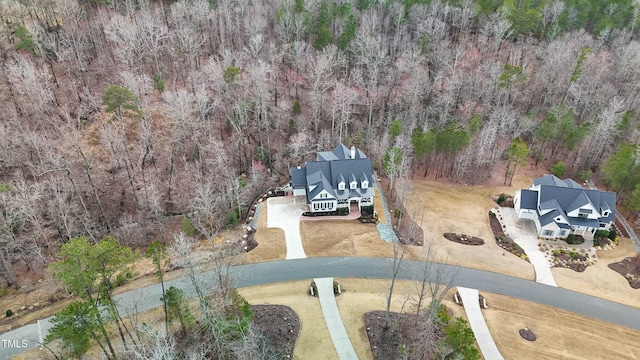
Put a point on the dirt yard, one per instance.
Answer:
(464, 209)
(346, 238)
(560, 334)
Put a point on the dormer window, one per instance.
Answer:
(365, 184)
(341, 185)
(353, 185)
(605, 213)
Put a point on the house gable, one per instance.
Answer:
(323, 195)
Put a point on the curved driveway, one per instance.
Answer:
(358, 267)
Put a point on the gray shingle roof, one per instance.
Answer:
(322, 184)
(298, 177)
(572, 184)
(331, 168)
(528, 199)
(579, 201)
(549, 180)
(568, 197)
(563, 196)
(350, 170)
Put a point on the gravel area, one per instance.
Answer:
(254, 221)
(387, 233)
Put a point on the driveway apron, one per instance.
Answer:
(523, 232)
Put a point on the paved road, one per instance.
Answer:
(358, 267)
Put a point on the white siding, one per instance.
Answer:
(594, 213)
(323, 206)
(527, 214)
(550, 226)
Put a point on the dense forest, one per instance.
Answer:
(118, 115)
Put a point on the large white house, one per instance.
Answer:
(337, 179)
(563, 207)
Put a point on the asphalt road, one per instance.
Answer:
(11, 343)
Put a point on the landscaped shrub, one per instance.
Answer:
(571, 239)
(501, 199)
(612, 234)
(601, 233)
(460, 337)
(9, 313)
(397, 213)
(343, 211)
(367, 209)
(442, 314)
(573, 255)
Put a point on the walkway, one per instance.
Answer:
(523, 232)
(478, 325)
(623, 221)
(339, 335)
(284, 213)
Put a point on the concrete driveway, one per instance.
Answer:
(524, 233)
(284, 213)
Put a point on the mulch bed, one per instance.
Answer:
(280, 324)
(463, 239)
(563, 259)
(503, 240)
(527, 334)
(388, 343)
(629, 268)
(249, 242)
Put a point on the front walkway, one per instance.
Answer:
(339, 335)
(478, 325)
(523, 232)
